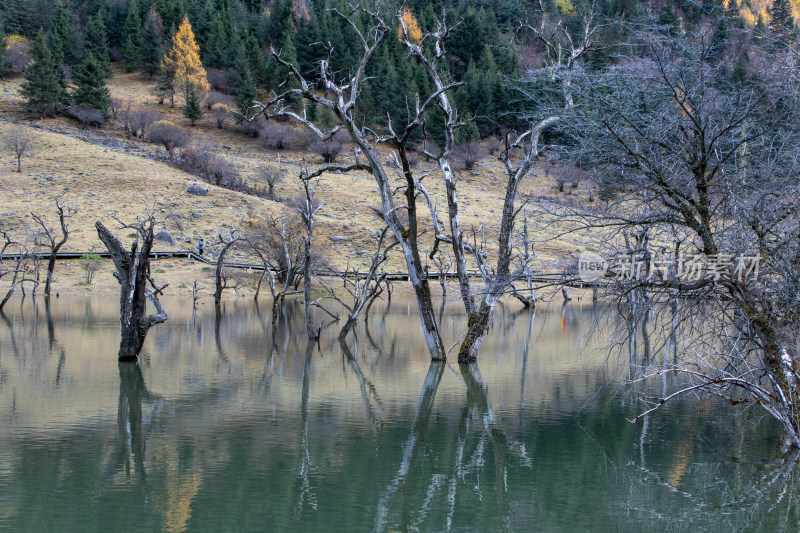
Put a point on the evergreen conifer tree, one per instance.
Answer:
(2, 51)
(41, 87)
(193, 110)
(780, 16)
(152, 49)
(241, 80)
(61, 28)
(91, 87)
(203, 29)
(96, 44)
(132, 43)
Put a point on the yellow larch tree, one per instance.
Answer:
(183, 62)
(410, 25)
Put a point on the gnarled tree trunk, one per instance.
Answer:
(133, 274)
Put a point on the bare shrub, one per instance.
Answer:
(492, 145)
(570, 174)
(413, 159)
(90, 263)
(305, 139)
(169, 136)
(218, 79)
(429, 147)
(116, 106)
(341, 136)
(137, 121)
(87, 116)
(276, 135)
(216, 97)
(19, 141)
(223, 173)
(213, 168)
(220, 112)
(272, 176)
(18, 55)
(469, 153)
(252, 127)
(196, 159)
(328, 150)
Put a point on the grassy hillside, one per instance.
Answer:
(108, 175)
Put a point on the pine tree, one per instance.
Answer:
(132, 43)
(165, 85)
(61, 29)
(97, 44)
(91, 87)
(183, 59)
(241, 79)
(193, 110)
(204, 27)
(280, 22)
(2, 51)
(41, 86)
(780, 16)
(217, 43)
(56, 47)
(152, 49)
(255, 58)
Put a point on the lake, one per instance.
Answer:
(229, 424)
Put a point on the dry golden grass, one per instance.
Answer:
(107, 183)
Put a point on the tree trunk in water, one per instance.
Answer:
(312, 334)
(133, 271)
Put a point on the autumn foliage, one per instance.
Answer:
(183, 62)
(409, 26)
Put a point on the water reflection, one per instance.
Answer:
(234, 422)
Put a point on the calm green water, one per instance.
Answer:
(231, 425)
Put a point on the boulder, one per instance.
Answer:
(164, 236)
(197, 190)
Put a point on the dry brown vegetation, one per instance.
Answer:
(113, 181)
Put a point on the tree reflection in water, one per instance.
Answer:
(289, 435)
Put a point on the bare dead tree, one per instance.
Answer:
(133, 274)
(20, 142)
(307, 207)
(341, 98)
(564, 51)
(17, 272)
(221, 282)
(278, 243)
(363, 290)
(707, 168)
(47, 237)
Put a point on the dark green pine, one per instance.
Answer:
(132, 41)
(91, 87)
(241, 80)
(41, 87)
(193, 110)
(2, 50)
(97, 45)
(152, 49)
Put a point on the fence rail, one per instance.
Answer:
(550, 279)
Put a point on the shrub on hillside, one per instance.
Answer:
(18, 54)
(252, 127)
(469, 153)
(328, 150)
(218, 79)
(87, 116)
(220, 112)
(276, 135)
(169, 136)
(137, 121)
